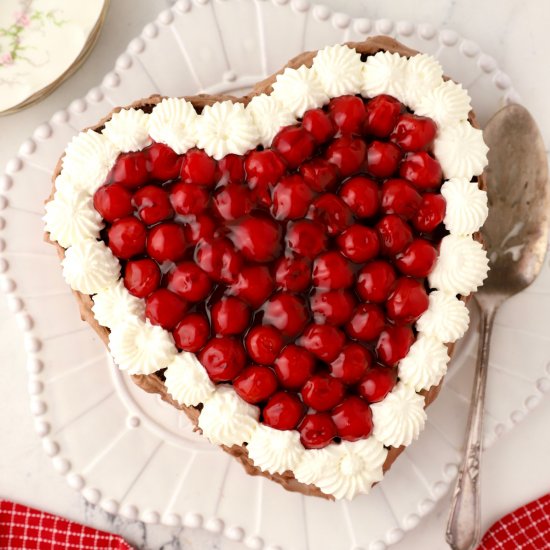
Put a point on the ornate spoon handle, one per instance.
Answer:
(463, 527)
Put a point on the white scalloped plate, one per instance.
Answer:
(134, 455)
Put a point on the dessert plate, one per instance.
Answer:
(136, 456)
(41, 44)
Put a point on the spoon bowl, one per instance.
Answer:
(516, 231)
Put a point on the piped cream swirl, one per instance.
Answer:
(187, 381)
(226, 419)
(275, 451)
(400, 417)
(466, 209)
(139, 347)
(344, 470)
(299, 90)
(460, 150)
(89, 266)
(114, 304)
(128, 130)
(71, 217)
(225, 128)
(447, 318)
(461, 267)
(172, 122)
(385, 73)
(425, 364)
(339, 69)
(270, 116)
(88, 159)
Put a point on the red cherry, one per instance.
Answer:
(255, 383)
(322, 392)
(163, 163)
(152, 204)
(331, 211)
(198, 168)
(351, 364)
(130, 169)
(317, 430)
(293, 274)
(377, 383)
(189, 199)
(367, 322)
(334, 307)
(291, 198)
(141, 277)
(113, 202)
(218, 259)
(407, 302)
(331, 270)
(422, 170)
(347, 154)
(231, 168)
(398, 197)
(348, 113)
(287, 312)
(258, 238)
(414, 133)
(203, 227)
(254, 285)
(418, 259)
(223, 358)
(126, 237)
(192, 332)
(263, 170)
(164, 308)
(319, 125)
(263, 344)
(319, 174)
(306, 238)
(395, 234)
(166, 242)
(431, 213)
(232, 201)
(382, 113)
(230, 316)
(361, 195)
(394, 344)
(283, 411)
(352, 418)
(375, 281)
(324, 341)
(295, 144)
(359, 243)
(383, 158)
(294, 366)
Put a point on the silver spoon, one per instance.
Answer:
(516, 237)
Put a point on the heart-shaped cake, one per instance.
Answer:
(287, 267)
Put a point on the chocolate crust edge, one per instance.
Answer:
(153, 383)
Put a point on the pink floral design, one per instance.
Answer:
(21, 18)
(6, 59)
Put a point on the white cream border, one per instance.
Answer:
(113, 146)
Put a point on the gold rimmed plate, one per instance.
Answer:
(43, 42)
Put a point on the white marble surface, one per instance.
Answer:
(514, 469)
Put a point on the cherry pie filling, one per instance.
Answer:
(296, 272)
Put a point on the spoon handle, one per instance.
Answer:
(463, 527)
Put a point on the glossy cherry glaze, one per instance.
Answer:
(295, 272)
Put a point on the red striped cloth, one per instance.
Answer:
(527, 528)
(22, 527)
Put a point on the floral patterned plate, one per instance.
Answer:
(42, 42)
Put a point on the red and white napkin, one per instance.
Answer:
(527, 528)
(26, 528)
